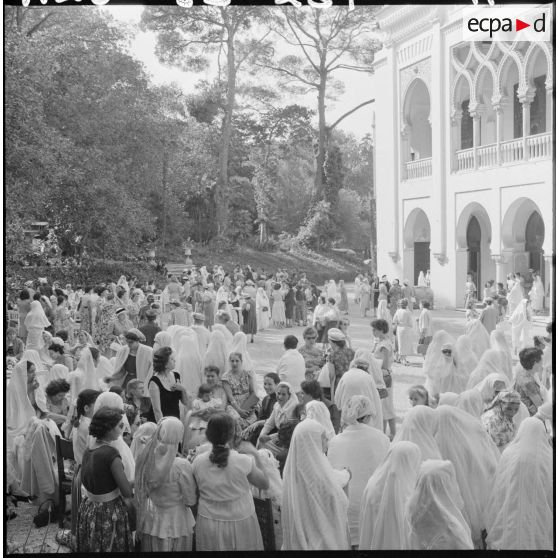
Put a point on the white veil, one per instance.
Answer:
(419, 427)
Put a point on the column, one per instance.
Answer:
(549, 107)
(499, 110)
(549, 280)
(526, 98)
(456, 116)
(498, 259)
(405, 148)
(475, 112)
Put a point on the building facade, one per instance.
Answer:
(464, 153)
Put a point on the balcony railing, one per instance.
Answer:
(421, 168)
(531, 148)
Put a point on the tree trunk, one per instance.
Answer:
(319, 178)
(221, 188)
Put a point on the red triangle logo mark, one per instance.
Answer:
(519, 25)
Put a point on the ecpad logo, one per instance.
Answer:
(507, 23)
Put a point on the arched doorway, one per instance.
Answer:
(417, 245)
(474, 238)
(534, 238)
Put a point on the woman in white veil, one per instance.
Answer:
(112, 400)
(419, 426)
(471, 401)
(434, 512)
(480, 339)
(536, 294)
(434, 361)
(240, 345)
(466, 358)
(263, 309)
(162, 339)
(316, 410)
(226, 334)
(463, 440)
(382, 512)
(491, 362)
(520, 321)
(374, 366)
(35, 322)
(520, 513)
(314, 505)
(216, 354)
(498, 341)
(515, 296)
(421, 282)
(189, 363)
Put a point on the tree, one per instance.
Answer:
(328, 40)
(186, 38)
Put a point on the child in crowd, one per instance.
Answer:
(198, 417)
(418, 396)
(57, 404)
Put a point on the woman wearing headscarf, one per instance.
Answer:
(164, 489)
(162, 339)
(498, 418)
(283, 411)
(515, 296)
(374, 366)
(360, 449)
(111, 400)
(462, 439)
(240, 345)
(433, 359)
(520, 511)
(357, 382)
(434, 513)
(314, 505)
(382, 511)
(189, 363)
(364, 297)
(471, 401)
(317, 410)
(536, 294)
(480, 338)
(491, 362)
(498, 341)
(35, 322)
(419, 427)
(403, 321)
(262, 309)
(83, 377)
(216, 353)
(465, 356)
(142, 435)
(520, 320)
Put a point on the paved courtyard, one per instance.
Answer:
(23, 537)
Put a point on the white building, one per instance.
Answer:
(464, 148)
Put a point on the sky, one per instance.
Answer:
(357, 84)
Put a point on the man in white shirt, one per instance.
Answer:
(291, 367)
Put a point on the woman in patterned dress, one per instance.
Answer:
(383, 350)
(239, 385)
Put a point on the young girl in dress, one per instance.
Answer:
(198, 420)
(103, 522)
(165, 489)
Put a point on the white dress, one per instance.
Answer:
(278, 311)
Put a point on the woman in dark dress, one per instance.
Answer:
(290, 303)
(249, 316)
(165, 389)
(103, 522)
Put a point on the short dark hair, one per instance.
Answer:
(380, 325)
(312, 388)
(331, 300)
(57, 386)
(203, 389)
(63, 334)
(116, 389)
(24, 295)
(37, 296)
(274, 376)
(56, 348)
(161, 358)
(290, 342)
(86, 397)
(404, 303)
(212, 368)
(529, 356)
(103, 421)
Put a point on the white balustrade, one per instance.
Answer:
(421, 168)
(539, 146)
(487, 156)
(465, 160)
(511, 151)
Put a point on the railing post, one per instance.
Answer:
(475, 113)
(498, 108)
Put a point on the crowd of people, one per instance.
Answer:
(172, 440)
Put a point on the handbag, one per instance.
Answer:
(323, 376)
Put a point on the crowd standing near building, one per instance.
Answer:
(156, 391)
